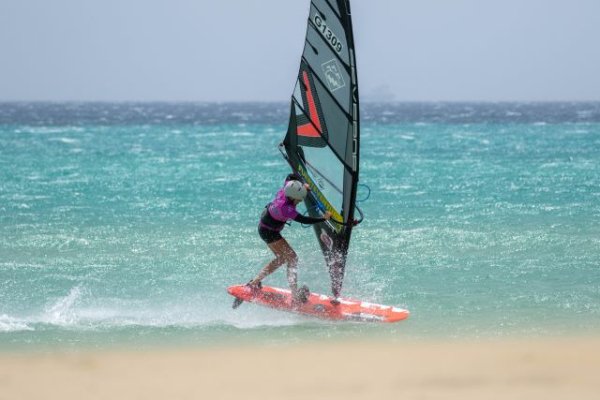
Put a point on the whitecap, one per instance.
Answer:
(10, 324)
(269, 164)
(389, 188)
(42, 130)
(550, 208)
(585, 113)
(65, 140)
(513, 114)
(26, 197)
(579, 131)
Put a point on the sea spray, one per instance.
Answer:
(480, 221)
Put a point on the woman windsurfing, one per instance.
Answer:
(272, 221)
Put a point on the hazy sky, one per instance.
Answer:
(222, 50)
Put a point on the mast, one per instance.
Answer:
(323, 138)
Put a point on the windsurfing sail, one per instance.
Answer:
(322, 141)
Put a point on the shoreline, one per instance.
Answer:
(528, 368)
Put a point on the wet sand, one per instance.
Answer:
(549, 368)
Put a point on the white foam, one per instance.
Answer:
(10, 324)
(42, 130)
(65, 140)
(242, 134)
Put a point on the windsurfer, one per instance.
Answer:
(272, 221)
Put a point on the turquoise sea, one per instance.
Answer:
(122, 224)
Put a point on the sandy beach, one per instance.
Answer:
(561, 368)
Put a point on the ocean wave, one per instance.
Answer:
(64, 140)
(10, 324)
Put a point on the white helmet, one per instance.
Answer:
(295, 190)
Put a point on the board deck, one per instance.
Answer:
(319, 305)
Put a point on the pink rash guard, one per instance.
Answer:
(279, 211)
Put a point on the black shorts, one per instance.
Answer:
(268, 235)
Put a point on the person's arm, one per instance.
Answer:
(310, 220)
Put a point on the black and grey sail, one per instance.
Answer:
(322, 141)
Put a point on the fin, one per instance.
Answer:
(236, 303)
(255, 289)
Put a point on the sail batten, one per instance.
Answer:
(334, 99)
(344, 64)
(334, 10)
(322, 142)
(340, 158)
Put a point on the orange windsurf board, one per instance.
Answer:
(319, 305)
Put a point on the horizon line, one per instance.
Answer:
(4, 101)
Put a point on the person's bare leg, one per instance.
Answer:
(283, 254)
